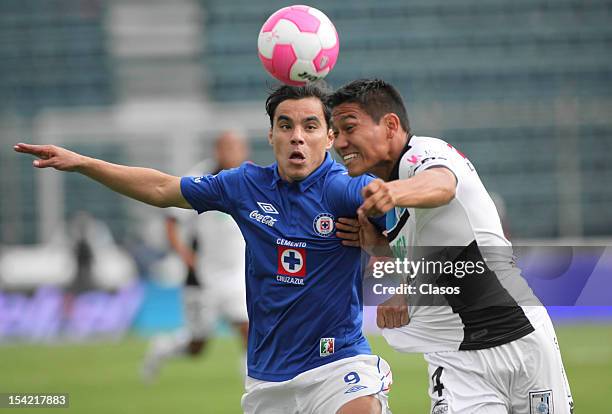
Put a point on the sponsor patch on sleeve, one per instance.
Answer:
(541, 402)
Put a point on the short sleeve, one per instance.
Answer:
(420, 158)
(213, 192)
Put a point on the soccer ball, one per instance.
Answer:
(298, 44)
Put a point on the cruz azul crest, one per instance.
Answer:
(323, 224)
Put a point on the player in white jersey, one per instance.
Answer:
(212, 249)
(489, 343)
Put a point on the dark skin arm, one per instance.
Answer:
(432, 188)
(360, 232)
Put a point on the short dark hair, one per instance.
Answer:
(375, 96)
(316, 89)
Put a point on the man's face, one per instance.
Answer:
(299, 137)
(362, 143)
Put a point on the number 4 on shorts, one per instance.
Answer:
(435, 380)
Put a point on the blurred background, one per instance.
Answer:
(522, 87)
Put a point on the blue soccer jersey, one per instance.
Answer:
(303, 287)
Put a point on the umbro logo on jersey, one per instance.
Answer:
(355, 388)
(267, 208)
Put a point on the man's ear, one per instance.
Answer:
(330, 138)
(270, 136)
(392, 124)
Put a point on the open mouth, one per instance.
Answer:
(297, 156)
(350, 157)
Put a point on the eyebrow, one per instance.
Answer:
(345, 117)
(312, 118)
(283, 118)
(307, 119)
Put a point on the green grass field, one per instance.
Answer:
(104, 377)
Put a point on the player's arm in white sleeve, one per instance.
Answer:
(143, 184)
(176, 243)
(433, 186)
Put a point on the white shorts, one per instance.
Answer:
(525, 376)
(202, 307)
(322, 390)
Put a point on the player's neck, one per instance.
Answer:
(383, 169)
(396, 149)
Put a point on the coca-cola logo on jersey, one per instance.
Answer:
(263, 219)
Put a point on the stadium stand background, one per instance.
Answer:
(521, 87)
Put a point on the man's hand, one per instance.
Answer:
(431, 188)
(143, 184)
(362, 233)
(52, 156)
(348, 231)
(189, 259)
(378, 197)
(392, 313)
(172, 233)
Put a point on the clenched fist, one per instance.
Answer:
(379, 197)
(393, 313)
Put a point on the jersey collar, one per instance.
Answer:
(311, 179)
(395, 171)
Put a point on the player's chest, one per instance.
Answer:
(303, 217)
(290, 238)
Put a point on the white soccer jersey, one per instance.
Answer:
(469, 222)
(220, 245)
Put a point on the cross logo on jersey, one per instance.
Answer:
(291, 261)
(323, 224)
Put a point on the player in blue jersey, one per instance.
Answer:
(306, 350)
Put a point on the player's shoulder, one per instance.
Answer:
(425, 145)
(337, 171)
(257, 175)
(231, 177)
(249, 167)
(246, 169)
(338, 177)
(340, 187)
(421, 152)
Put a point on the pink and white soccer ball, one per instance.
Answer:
(298, 44)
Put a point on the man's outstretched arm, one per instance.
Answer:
(143, 184)
(432, 188)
